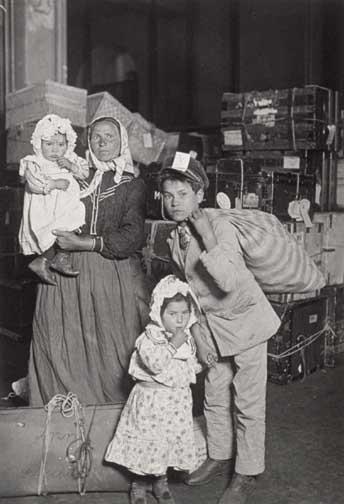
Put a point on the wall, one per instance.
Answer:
(188, 52)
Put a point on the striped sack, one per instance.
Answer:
(278, 262)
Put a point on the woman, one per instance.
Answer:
(84, 328)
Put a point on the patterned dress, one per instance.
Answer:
(155, 430)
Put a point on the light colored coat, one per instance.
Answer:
(237, 311)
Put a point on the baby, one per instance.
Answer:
(52, 196)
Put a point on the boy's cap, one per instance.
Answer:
(184, 164)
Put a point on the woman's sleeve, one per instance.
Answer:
(123, 241)
(155, 353)
(225, 262)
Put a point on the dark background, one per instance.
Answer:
(186, 53)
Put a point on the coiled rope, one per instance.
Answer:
(78, 452)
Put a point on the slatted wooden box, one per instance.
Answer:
(33, 102)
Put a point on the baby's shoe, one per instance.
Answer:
(40, 266)
(138, 492)
(161, 491)
(62, 263)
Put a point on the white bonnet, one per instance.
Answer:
(168, 287)
(49, 126)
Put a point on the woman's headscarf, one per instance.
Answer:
(122, 163)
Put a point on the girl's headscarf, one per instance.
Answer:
(168, 287)
(45, 129)
(123, 162)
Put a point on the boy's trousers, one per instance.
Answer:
(234, 408)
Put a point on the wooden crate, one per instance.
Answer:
(296, 118)
(33, 102)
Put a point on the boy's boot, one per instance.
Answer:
(239, 489)
(40, 266)
(161, 491)
(62, 263)
(207, 471)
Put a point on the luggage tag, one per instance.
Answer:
(331, 132)
(147, 141)
(181, 161)
(305, 205)
(238, 203)
(294, 210)
(223, 201)
(299, 210)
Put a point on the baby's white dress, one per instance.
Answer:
(58, 209)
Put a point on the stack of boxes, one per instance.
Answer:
(277, 151)
(280, 155)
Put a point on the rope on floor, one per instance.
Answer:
(78, 452)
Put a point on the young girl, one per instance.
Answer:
(52, 195)
(155, 430)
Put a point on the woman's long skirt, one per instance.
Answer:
(84, 331)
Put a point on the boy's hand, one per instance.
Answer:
(179, 338)
(60, 184)
(65, 163)
(202, 226)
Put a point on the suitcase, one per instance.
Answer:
(287, 119)
(154, 205)
(297, 349)
(23, 432)
(335, 295)
(323, 165)
(156, 253)
(249, 184)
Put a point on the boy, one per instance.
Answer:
(237, 322)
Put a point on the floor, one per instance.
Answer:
(305, 450)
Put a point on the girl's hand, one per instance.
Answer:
(202, 226)
(179, 338)
(68, 240)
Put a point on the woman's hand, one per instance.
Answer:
(202, 226)
(68, 240)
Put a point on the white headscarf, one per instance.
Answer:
(168, 287)
(118, 165)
